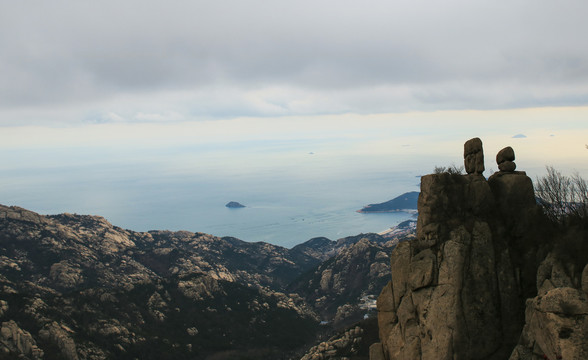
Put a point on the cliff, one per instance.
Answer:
(482, 279)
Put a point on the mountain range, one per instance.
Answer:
(77, 287)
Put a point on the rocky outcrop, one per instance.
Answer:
(473, 154)
(556, 320)
(505, 160)
(60, 336)
(457, 290)
(17, 343)
(338, 347)
(335, 287)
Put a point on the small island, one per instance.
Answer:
(406, 202)
(234, 205)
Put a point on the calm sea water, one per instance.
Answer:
(281, 208)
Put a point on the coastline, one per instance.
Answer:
(409, 211)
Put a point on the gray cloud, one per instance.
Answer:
(228, 57)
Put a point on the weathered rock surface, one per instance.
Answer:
(473, 155)
(334, 288)
(17, 343)
(453, 291)
(506, 154)
(458, 290)
(60, 335)
(346, 343)
(556, 320)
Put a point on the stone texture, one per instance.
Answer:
(3, 307)
(376, 352)
(473, 155)
(505, 160)
(455, 291)
(556, 320)
(585, 279)
(507, 166)
(66, 275)
(331, 348)
(17, 343)
(60, 336)
(506, 154)
(556, 326)
(515, 200)
(446, 285)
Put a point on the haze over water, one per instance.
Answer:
(298, 179)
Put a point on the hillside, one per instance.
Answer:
(77, 287)
(406, 201)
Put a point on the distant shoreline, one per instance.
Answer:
(364, 211)
(407, 202)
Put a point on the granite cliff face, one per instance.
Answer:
(458, 290)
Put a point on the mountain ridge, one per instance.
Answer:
(404, 202)
(77, 287)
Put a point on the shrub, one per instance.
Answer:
(451, 169)
(562, 198)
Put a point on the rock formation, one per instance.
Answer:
(505, 159)
(17, 341)
(556, 320)
(334, 287)
(473, 155)
(346, 343)
(458, 290)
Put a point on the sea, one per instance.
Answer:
(282, 208)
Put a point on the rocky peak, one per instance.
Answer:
(17, 213)
(458, 290)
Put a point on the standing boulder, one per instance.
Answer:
(505, 160)
(473, 155)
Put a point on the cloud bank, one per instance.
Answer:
(152, 61)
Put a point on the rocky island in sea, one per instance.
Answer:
(405, 202)
(234, 205)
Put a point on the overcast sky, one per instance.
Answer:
(70, 62)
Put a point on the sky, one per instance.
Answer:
(227, 88)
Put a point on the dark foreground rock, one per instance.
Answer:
(459, 290)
